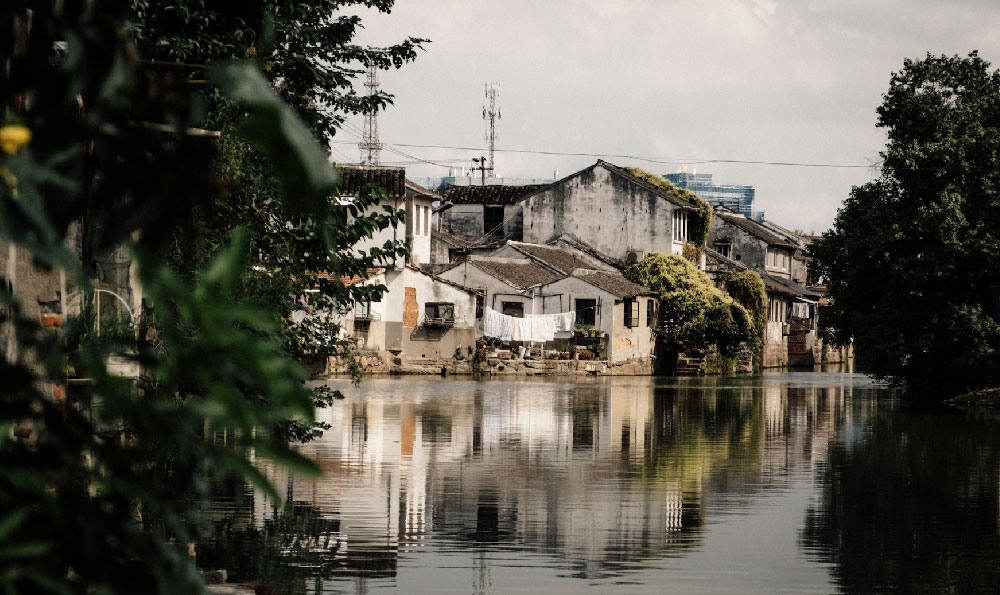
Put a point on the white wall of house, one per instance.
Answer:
(389, 234)
(604, 210)
(427, 289)
(625, 343)
(496, 291)
(418, 228)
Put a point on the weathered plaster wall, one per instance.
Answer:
(632, 342)
(775, 346)
(464, 221)
(562, 296)
(624, 343)
(497, 291)
(747, 249)
(418, 229)
(426, 289)
(513, 225)
(604, 211)
(397, 324)
(392, 233)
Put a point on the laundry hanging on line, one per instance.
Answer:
(564, 321)
(497, 325)
(532, 328)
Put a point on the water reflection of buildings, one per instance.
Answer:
(602, 476)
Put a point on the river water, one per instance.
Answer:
(784, 483)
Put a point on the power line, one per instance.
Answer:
(660, 160)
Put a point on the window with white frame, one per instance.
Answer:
(778, 260)
(680, 225)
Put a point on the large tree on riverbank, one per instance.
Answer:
(912, 259)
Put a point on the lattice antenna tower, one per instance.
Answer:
(370, 146)
(491, 113)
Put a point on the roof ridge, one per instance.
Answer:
(658, 191)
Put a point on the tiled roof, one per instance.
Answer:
(613, 283)
(658, 191)
(788, 287)
(724, 261)
(440, 280)
(356, 279)
(489, 195)
(422, 192)
(354, 179)
(521, 274)
(753, 228)
(449, 238)
(580, 245)
(561, 260)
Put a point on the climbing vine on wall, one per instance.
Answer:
(700, 223)
(747, 288)
(694, 313)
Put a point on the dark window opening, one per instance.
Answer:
(650, 313)
(724, 248)
(515, 309)
(631, 313)
(480, 302)
(493, 221)
(586, 312)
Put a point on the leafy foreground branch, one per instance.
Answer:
(102, 480)
(106, 492)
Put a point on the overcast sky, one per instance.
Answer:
(763, 80)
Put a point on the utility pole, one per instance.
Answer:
(370, 145)
(491, 113)
(481, 167)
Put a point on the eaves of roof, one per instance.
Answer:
(753, 228)
(788, 287)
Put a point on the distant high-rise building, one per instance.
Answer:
(736, 198)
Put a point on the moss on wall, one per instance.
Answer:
(701, 223)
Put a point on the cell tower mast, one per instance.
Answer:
(491, 113)
(369, 145)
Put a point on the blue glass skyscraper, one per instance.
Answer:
(736, 198)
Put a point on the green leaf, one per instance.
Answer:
(12, 521)
(307, 177)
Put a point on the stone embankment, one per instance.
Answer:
(557, 367)
(372, 362)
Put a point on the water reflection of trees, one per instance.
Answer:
(602, 477)
(294, 548)
(911, 507)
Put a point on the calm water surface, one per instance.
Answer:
(785, 483)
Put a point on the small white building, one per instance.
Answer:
(421, 317)
(400, 194)
(614, 317)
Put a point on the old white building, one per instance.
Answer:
(400, 194)
(421, 318)
(611, 211)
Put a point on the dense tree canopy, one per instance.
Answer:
(911, 261)
(694, 313)
(102, 480)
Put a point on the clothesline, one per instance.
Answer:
(531, 328)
